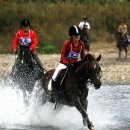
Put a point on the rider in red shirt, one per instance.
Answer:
(73, 50)
(26, 37)
(23, 35)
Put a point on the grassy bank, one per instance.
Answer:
(51, 20)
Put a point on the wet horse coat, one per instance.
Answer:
(72, 90)
(26, 70)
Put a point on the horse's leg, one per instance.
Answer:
(25, 97)
(125, 52)
(84, 103)
(119, 54)
(80, 108)
(83, 98)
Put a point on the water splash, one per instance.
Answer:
(104, 109)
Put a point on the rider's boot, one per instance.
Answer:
(54, 94)
(56, 85)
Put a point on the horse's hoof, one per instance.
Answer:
(92, 128)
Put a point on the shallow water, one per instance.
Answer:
(108, 108)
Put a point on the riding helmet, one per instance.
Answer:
(74, 31)
(25, 23)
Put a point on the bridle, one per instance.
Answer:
(92, 74)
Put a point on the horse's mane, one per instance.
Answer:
(88, 57)
(82, 64)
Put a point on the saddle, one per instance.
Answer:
(59, 79)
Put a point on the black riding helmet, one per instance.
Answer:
(74, 31)
(25, 22)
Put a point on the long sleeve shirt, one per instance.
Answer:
(81, 25)
(21, 34)
(70, 53)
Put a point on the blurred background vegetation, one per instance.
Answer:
(52, 18)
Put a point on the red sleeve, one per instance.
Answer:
(34, 41)
(64, 53)
(15, 41)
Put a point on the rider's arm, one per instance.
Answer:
(15, 42)
(81, 25)
(64, 53)
(88, 26)
(119, 28)
(125, 30)
(34, 41)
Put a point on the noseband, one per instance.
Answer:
(93, 72)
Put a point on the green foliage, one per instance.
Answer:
(50, 49)
(51, 20)
(46, 48)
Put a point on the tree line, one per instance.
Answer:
(52, 18)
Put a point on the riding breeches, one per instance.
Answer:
(57, 70)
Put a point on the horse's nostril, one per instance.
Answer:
(97, 85)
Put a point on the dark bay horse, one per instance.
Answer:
(85, 38)
(26, 70)
(121, 43)
(73, 89)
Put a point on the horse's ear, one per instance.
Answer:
(99, 58)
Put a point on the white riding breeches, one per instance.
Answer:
(57, 70)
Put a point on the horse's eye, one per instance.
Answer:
(94, 66)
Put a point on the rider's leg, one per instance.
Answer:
(53, 80)
(38, 62)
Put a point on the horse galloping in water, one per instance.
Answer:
(72, 88)
(26, 70)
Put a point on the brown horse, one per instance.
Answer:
(72, 89)
(121, 43)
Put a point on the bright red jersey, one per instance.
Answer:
(70, 53)
(21, 34)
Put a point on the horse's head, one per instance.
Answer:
(94, 73)
(25, 56)
(90, 70)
